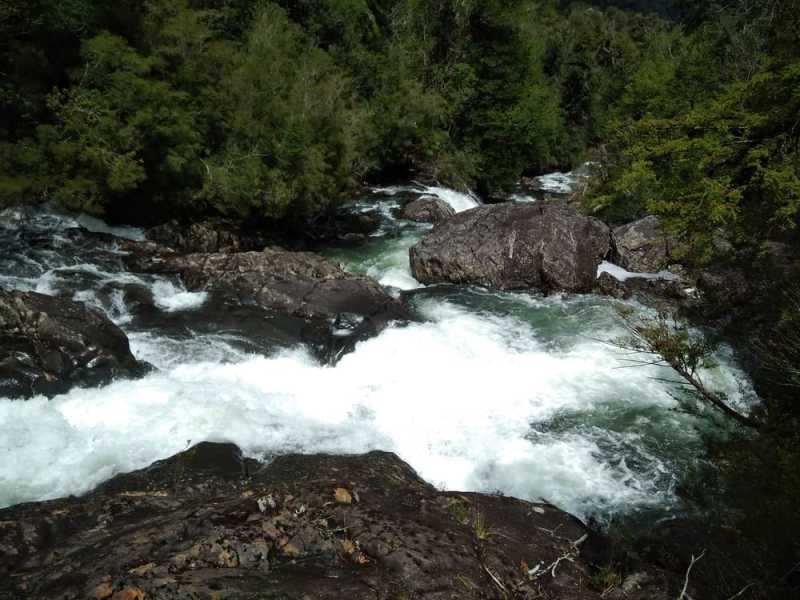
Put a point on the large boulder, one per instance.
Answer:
(49, 344)
(301, 284)
(208, 523)
(546, 246)
(336, 309)
(427, 209)
(644, 246)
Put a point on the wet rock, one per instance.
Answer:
(427, 209)
(296, 283)
(205, 236)
(344, 226)
(546, 246)
(336, 308)
(197, 237)
(644, 246)
(207, 523)
(662, 293)
(48, 345)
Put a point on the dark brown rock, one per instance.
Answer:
(302, 284)
(644, 246)
(651, 292)
(197, 237)
(546, 246)
(205, 236)
(208, 524)
(49, 344)
(333, 309)
(427, 209)
(342, 226)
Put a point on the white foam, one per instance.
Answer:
(458, 201)
(167, 353)
(621, 274)
(172, 298)
(468, 398)
(115, 309)
(96, 225)
(557, 182)
(455, 397)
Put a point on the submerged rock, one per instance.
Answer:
(208, 523)
(546, 246)
(644, 246)
(427, 209)
(49, 344)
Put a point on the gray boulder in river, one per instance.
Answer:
(547, 246)
(208, 523)
(49, 344)
(643, 246)
(427, 209)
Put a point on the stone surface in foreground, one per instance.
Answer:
(209, 524)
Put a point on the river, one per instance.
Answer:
(514, 393)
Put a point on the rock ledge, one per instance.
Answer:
(208, 523)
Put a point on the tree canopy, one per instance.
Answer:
(280, 109)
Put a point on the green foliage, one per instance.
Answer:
(706, 135)
(280, 109)
(471, 516)
(670, 340)
(121, 130)
(605, 579)
(666, 341)
(749, 491)
(293, 141)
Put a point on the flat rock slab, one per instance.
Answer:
(208, 523)
(338, 309)
(546, 246)
(301, 284)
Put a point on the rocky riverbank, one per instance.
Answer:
(208, 523)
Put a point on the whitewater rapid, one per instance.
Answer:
(507, 392)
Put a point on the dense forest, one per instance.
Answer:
(280, 110)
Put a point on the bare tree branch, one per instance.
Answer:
(684, 595)
(669, 343)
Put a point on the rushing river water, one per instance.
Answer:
(508, 392)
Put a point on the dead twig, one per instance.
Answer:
(497, 582)
(742, 591)
(684, 595)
